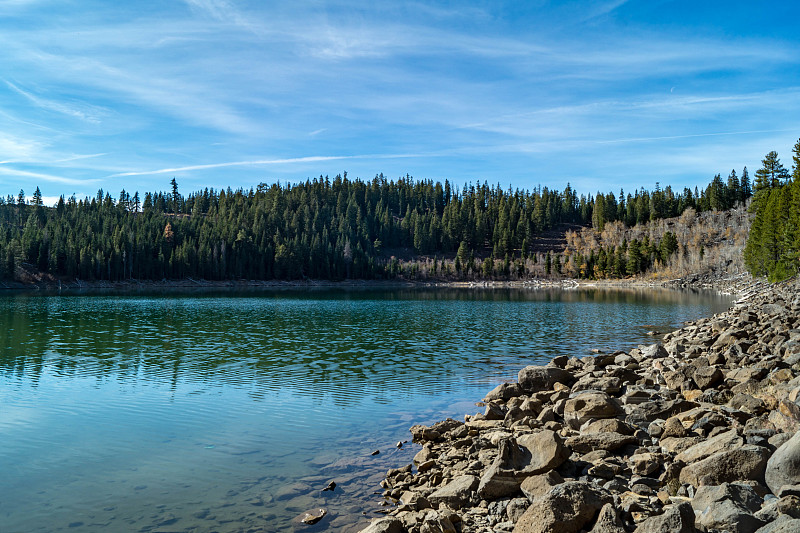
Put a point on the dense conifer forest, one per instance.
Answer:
(773, 247)
(335, 229)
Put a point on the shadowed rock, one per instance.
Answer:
(566, 508)
(538, 378)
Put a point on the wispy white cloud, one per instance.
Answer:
(83, 112)
(79, 157)
(13, 148)
(689, 136)
(258, 162)
(224, 11)
(7, 171)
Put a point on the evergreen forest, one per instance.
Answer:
(336, 229)
(773, 246)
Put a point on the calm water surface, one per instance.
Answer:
(230, 412)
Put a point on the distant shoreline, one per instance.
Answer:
(730, 284)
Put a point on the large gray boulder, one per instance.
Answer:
(729, 507)
(678, 519)
(566, 508)
(783, 467)
(538, 378)
(456, 493)
(727, 516)
(642, 414)
(784, 524)
(742, 464)
(728, 440)
(526, 456)
(589, 406)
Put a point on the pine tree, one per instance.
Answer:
(772, 173)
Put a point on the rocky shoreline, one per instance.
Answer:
(696, 433)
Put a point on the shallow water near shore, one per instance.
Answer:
(212, 411)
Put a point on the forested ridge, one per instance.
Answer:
(334, 229)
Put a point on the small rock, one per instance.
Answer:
(313, 516)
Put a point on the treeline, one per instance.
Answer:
(773, 246)
(324, 229)
(644, 206)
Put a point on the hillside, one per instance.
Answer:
(705, 241)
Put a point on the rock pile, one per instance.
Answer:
(698, 433)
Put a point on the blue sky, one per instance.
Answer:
(218, 93)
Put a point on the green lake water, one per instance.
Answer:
(201, 412)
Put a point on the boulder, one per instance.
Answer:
(644, 464)
(539, 378)
(547, 451)
(599, 441)
(673, 428)
(745, 463)
(389, 524)
(743, 495)
(783, 467)
(678, 519)
(608, 521)
(707, 376)
(725, 515)
(784, 524)
(642, 414)
(566, 508)
(588, 406)
(539, 485)
(724, 441)
(437, 522)
(504, 392)
(530, 454)
(456, 493)
(654, 351)
(607, 425)
(747, 403)
(727, 507)
(608, 384)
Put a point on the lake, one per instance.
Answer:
(212, 411)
